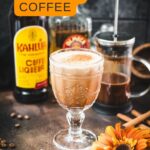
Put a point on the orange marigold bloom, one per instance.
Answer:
(117, 138)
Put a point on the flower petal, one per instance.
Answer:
(110, 131)
(132, 132)
(128, 129)
(142, 134)
(105, 139)
(99, 146)
(141, 145)
(118, 130)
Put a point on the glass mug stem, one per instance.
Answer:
(75, 121)
(147, 65)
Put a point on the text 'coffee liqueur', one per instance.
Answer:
(30, 50)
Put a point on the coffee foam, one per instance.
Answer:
(76, 58)
(76, 63)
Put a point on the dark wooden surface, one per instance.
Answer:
(46, 119)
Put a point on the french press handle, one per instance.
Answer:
(147, 65)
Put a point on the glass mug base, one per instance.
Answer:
(63, 141)
(112, 110)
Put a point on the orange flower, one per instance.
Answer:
(123, 139)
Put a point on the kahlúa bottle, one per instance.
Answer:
(30, 45)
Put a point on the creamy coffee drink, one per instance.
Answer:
(76, 77)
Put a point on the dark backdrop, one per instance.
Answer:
(5, 46)
(134, 18)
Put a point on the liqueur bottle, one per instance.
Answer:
(70, 32)
(30, 46)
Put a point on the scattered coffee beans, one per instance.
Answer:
(17, 125)
(13, 115)
(11, 145)
(20, 117)
(4, 144)
(26, 117)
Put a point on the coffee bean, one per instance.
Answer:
(3, 145)
(26, 117)
(13, 115)
(20, 117)
(3, 141)
(11, 145)
(17, 125)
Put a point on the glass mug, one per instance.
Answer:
(76, 79)
(115, 88)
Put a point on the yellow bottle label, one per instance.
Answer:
(31, 52)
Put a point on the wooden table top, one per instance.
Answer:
(46, 119)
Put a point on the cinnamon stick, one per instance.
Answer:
(137, 113)
(124, 117)
(127, 119)
(137, 120)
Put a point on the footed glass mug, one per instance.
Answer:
(115, 91)
(76, 79)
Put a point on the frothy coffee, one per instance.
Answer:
(76, 77)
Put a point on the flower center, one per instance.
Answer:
(123, 147)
